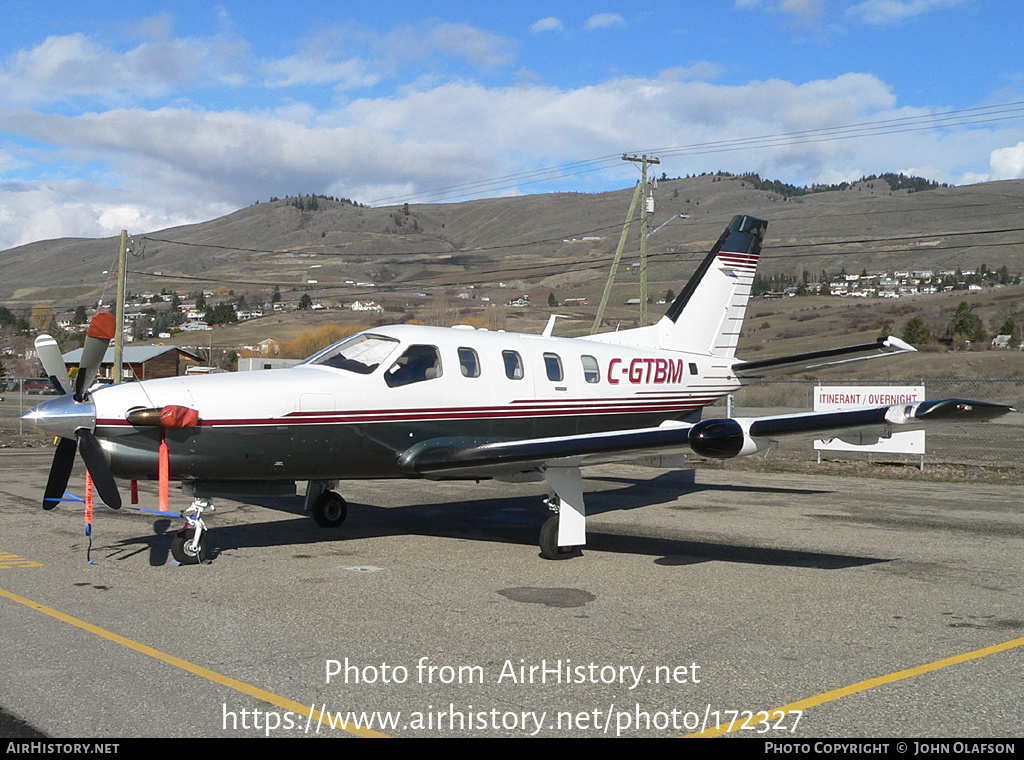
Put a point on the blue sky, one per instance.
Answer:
(150, 114)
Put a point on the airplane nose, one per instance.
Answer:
(63, 416)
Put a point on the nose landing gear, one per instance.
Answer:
(188, 546)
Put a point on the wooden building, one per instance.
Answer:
(141, 362)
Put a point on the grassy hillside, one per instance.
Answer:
(463, 262)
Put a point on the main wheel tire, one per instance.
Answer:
(330, 510)
(181, 547)
(549, 548)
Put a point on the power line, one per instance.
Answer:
(874, 128)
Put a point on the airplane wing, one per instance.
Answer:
(816, 360)
(717, 438)
(467, 456)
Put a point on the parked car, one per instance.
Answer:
(37, 387)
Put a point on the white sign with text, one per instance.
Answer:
(834, 398)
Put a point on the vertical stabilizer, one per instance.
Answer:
(707, 315)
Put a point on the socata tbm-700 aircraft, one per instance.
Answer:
(446, 403)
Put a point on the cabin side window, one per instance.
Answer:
(513, 365)
(418, 363)
(591, 372)
(469, 362)
(553, 366)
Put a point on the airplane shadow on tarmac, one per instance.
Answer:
(514, 520)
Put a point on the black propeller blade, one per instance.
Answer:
(98, 468)
(60, 472)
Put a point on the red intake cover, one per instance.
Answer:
(178, 417)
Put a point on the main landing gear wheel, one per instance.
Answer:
(549, 548)
(182, 548)
(329, 510)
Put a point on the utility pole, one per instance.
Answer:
(615, 261)
(122, 277)
(644, 162)
(641, 187)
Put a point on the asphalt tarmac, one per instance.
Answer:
(769, 606)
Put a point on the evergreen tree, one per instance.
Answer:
(1009, 327)
(967, 324)
(916, 332)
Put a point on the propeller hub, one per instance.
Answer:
(63, 416)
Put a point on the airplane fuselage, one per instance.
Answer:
(319, 421)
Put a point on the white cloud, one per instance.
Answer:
(409, 44)
(48, 210)
(884, 12)
(63, 68)
(1008, 163)
(475, 45)
(696, 70)
(153, 167)
(804, 11)
(549, 24)
(604, 20)
(313, 68)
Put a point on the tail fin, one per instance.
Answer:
(707, 315)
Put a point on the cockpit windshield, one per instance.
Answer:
(361, 353)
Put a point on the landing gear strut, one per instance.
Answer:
(566, 486)
(549, 548)
(188, 546)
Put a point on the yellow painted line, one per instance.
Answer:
(871, 683)
(8, 560)
(199, 670)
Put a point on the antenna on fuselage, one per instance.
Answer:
(549, 328)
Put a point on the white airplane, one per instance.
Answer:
(406, 401)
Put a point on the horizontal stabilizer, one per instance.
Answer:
(815, 360)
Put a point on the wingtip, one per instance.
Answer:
(892, 341)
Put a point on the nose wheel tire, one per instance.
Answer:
(549, 548)
(183, 551)
(330, 510)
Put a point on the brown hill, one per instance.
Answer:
(528, 242)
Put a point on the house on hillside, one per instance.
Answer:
(366, 306)
(269, 347)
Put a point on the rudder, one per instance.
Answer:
(707, 315)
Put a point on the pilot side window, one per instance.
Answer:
(591, 372)
(362, 353)
(418, 363)
(469, 362)
(513, 365)
(553, 366)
